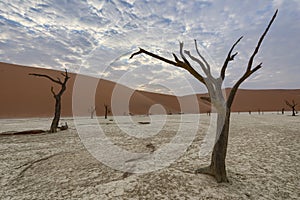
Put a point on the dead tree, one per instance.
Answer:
(219, 102)
(92, 111)
(57, 96)
(292, 106)
(106, 110)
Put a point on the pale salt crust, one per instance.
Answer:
(263, 162)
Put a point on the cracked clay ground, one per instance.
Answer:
(263, 162)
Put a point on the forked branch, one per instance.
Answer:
(202, 65)
(46, 76)
(178, 63)
(293, 104)
(204, 60)
(52, 91)
(249, 69)
(57, 80)
(260, 42)
(229, 58)
(154, 56)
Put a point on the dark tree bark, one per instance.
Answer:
(57, 97)
(106, 111)
(292, 106)
(217, 167)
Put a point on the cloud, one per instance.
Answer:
(96, 38)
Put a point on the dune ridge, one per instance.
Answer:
(25, 96)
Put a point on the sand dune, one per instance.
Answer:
(261, 162)
(27, 96)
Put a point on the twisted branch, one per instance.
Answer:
(178, 63)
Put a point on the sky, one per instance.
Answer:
(97, 37)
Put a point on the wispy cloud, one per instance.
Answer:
(96, 38)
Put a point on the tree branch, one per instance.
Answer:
(46, 76)
(289, 104)
(178, 63)
(59, 80)
(229, 58)
(199, 62)
(248, 71)
(181, 54)
(154, 56)
(66, 76)
(260, 41)
(175, 57)
(52, 91)
(204, 60)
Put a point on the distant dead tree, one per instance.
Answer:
(92, 111)
(208, 112)
(292, 106)
(106, 110)
(57, 96)
(222, 105)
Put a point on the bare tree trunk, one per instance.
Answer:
(56, 118)
(106, 111)
(293, 110)
(217, 167)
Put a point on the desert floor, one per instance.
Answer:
(263, 161)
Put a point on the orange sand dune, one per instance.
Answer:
(265, 100)
(28, 96)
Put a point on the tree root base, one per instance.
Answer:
(208, 171)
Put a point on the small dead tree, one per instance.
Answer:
(92, 111)
(57, 96)
(217, 99)
(106, 110)
(292, 106)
